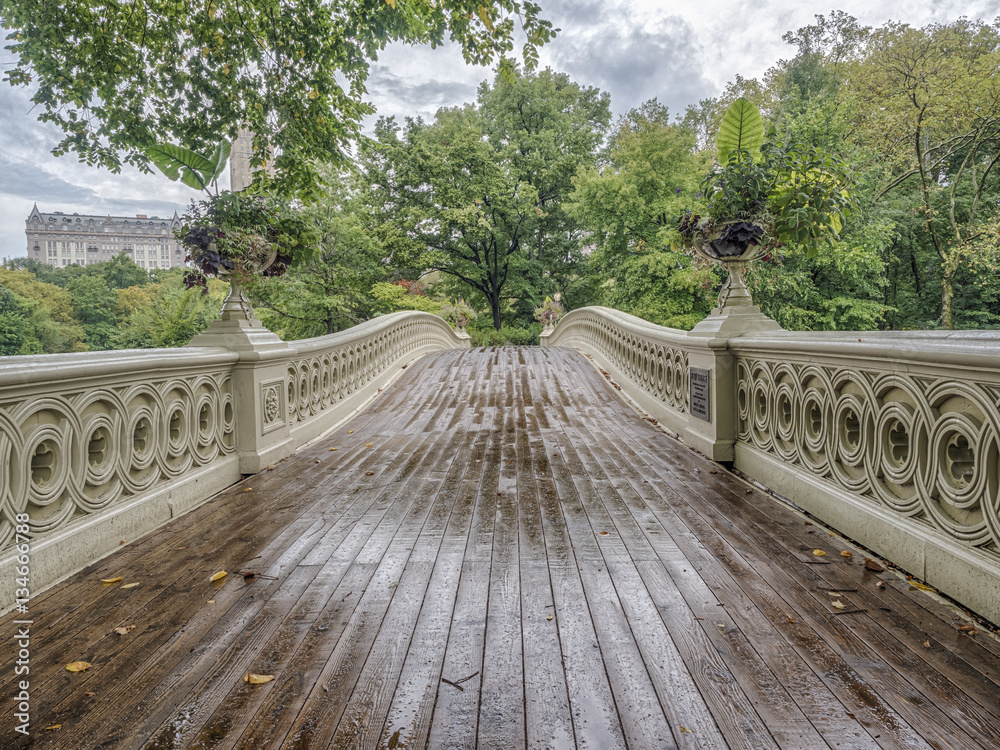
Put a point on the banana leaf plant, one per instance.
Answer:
(766, 194)
(232, 234)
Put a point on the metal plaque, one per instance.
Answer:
(699, 379)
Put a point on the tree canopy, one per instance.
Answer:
(119, 78)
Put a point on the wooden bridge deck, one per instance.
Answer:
(498, 554)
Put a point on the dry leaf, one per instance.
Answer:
(686, 730)
(257, 679)
(211, 601)
(122, 542)
(967, 628)
(927, 644)
(369, 473)
(124, 630)
(333, 449)
(248, 489)
(350, 432)
(218, 576)
(873, 566)
(838, 604)
(78, 666)
(921, 586)
(248, 575)
(129, 585)
(604, 533)
(91, 694)
(368, 445)
(53, 728)
(847, 553)
(818, 552)
(548, 617)
(111, 580)
(880, 585)
(789, 619)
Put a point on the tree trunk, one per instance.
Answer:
(948, 293)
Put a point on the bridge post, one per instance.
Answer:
(260, 393)
(712, 415)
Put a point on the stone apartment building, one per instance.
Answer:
(62, 239)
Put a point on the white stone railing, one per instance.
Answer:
(651, 358)
(891, 438)
(105, 446)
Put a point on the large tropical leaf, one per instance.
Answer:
(193, 169)
(220, 157)
(742, 129)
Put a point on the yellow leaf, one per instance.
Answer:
(78, 666)
(368, 445)
(333, 449)
(248, 489)
(130, 585)
(838, 604)
(847, 553)
(211, 601)
(548, 617)
(218, 576)
(391, 4)
(818, 552)
(921, 586)
(53, 728)
(686, 730)
(349, 432)
(927, 644)
(257, 679)
(111, 580)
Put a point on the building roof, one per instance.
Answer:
(81, 221)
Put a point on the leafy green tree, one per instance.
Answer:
(165, 314)
(15, 325)
(94, 305)
(120, 78)
(121, 272)
(631, 206)
(480, 190)
(53, 320)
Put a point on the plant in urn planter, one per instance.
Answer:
(761, 196)
(232, 235)
(549, 312)
(459, 314)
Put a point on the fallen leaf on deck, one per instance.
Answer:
(838, 604)
(78, 666)
(927, 644)
(921, 586)
(548, 617)
(873, 566)
(368, 445)
(790, 619)
(122, 541)
(333, 449)
(211, 601)
(604, 533)
(880, 585)
(818, 552)
(53, 728)
(686, 730)
(218, 576)
(91, 694)
(847, 553)
(967, 628)
(257, 679)
(350, 432)
(248, 575)
(124, 630)
(129, 585)
(394, 740)
(111, 580)
(248, 489)
(369, 473)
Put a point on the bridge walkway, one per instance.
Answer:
(500, 553)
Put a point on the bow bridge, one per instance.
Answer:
(631, 536)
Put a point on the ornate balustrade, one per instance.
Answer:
(651, 358)
(105, 446)
(892, 438)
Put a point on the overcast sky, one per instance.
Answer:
(678, 52)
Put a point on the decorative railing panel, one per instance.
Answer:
(653, 358)
(70, 448)
(325, 372)
(924, 446)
